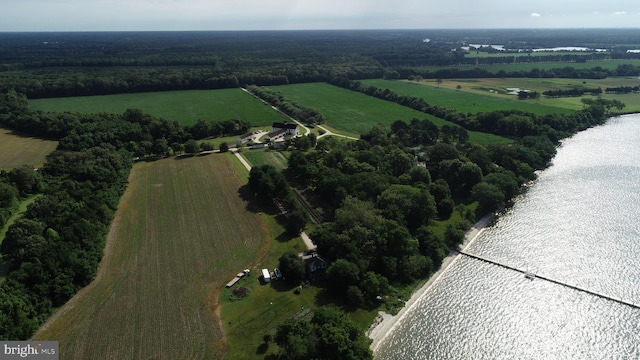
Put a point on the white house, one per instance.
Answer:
(280, 130)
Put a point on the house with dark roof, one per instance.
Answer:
(316, 267)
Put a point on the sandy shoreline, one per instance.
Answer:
(386, 323)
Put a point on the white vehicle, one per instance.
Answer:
(266, 276)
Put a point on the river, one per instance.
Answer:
(578, 222)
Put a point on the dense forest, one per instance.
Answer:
(382, 192)
(80, 64)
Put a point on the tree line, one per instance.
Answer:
(623, 89)
(289, 107)
(573, 92)
(569, 72)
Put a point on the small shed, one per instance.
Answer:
(266, 276)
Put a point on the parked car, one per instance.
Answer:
(278, 274)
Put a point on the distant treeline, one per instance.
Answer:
(596, 72)
(105, 81)
(81, 64)
(623, 89)
(573, 92)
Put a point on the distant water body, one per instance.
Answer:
(578, 222)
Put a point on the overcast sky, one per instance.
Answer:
(125, 15)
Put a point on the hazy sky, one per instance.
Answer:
(87, 15)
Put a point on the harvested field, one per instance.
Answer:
(180, 233)
(17, 150)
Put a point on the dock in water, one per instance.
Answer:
(532, 276)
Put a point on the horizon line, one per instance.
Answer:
(313, 30)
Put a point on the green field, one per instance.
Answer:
(495, 88)
(465, 99)
(358, 113)
(180, 234)
(17, 150)
(186, 106)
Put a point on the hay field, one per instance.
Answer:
(180, 233)
(17, 150)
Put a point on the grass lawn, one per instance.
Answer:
(260, 157)
(186, 106)
(17, 150)
(181, 232)
(357, 113)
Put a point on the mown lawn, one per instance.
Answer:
(181, 232)
(357, 113)
(260, 157)
(186, 106)
(17, 150)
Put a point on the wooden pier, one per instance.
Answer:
(565, 284)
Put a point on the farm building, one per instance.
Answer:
(280, 130)
(246, 137)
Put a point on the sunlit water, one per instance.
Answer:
(578, 223)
